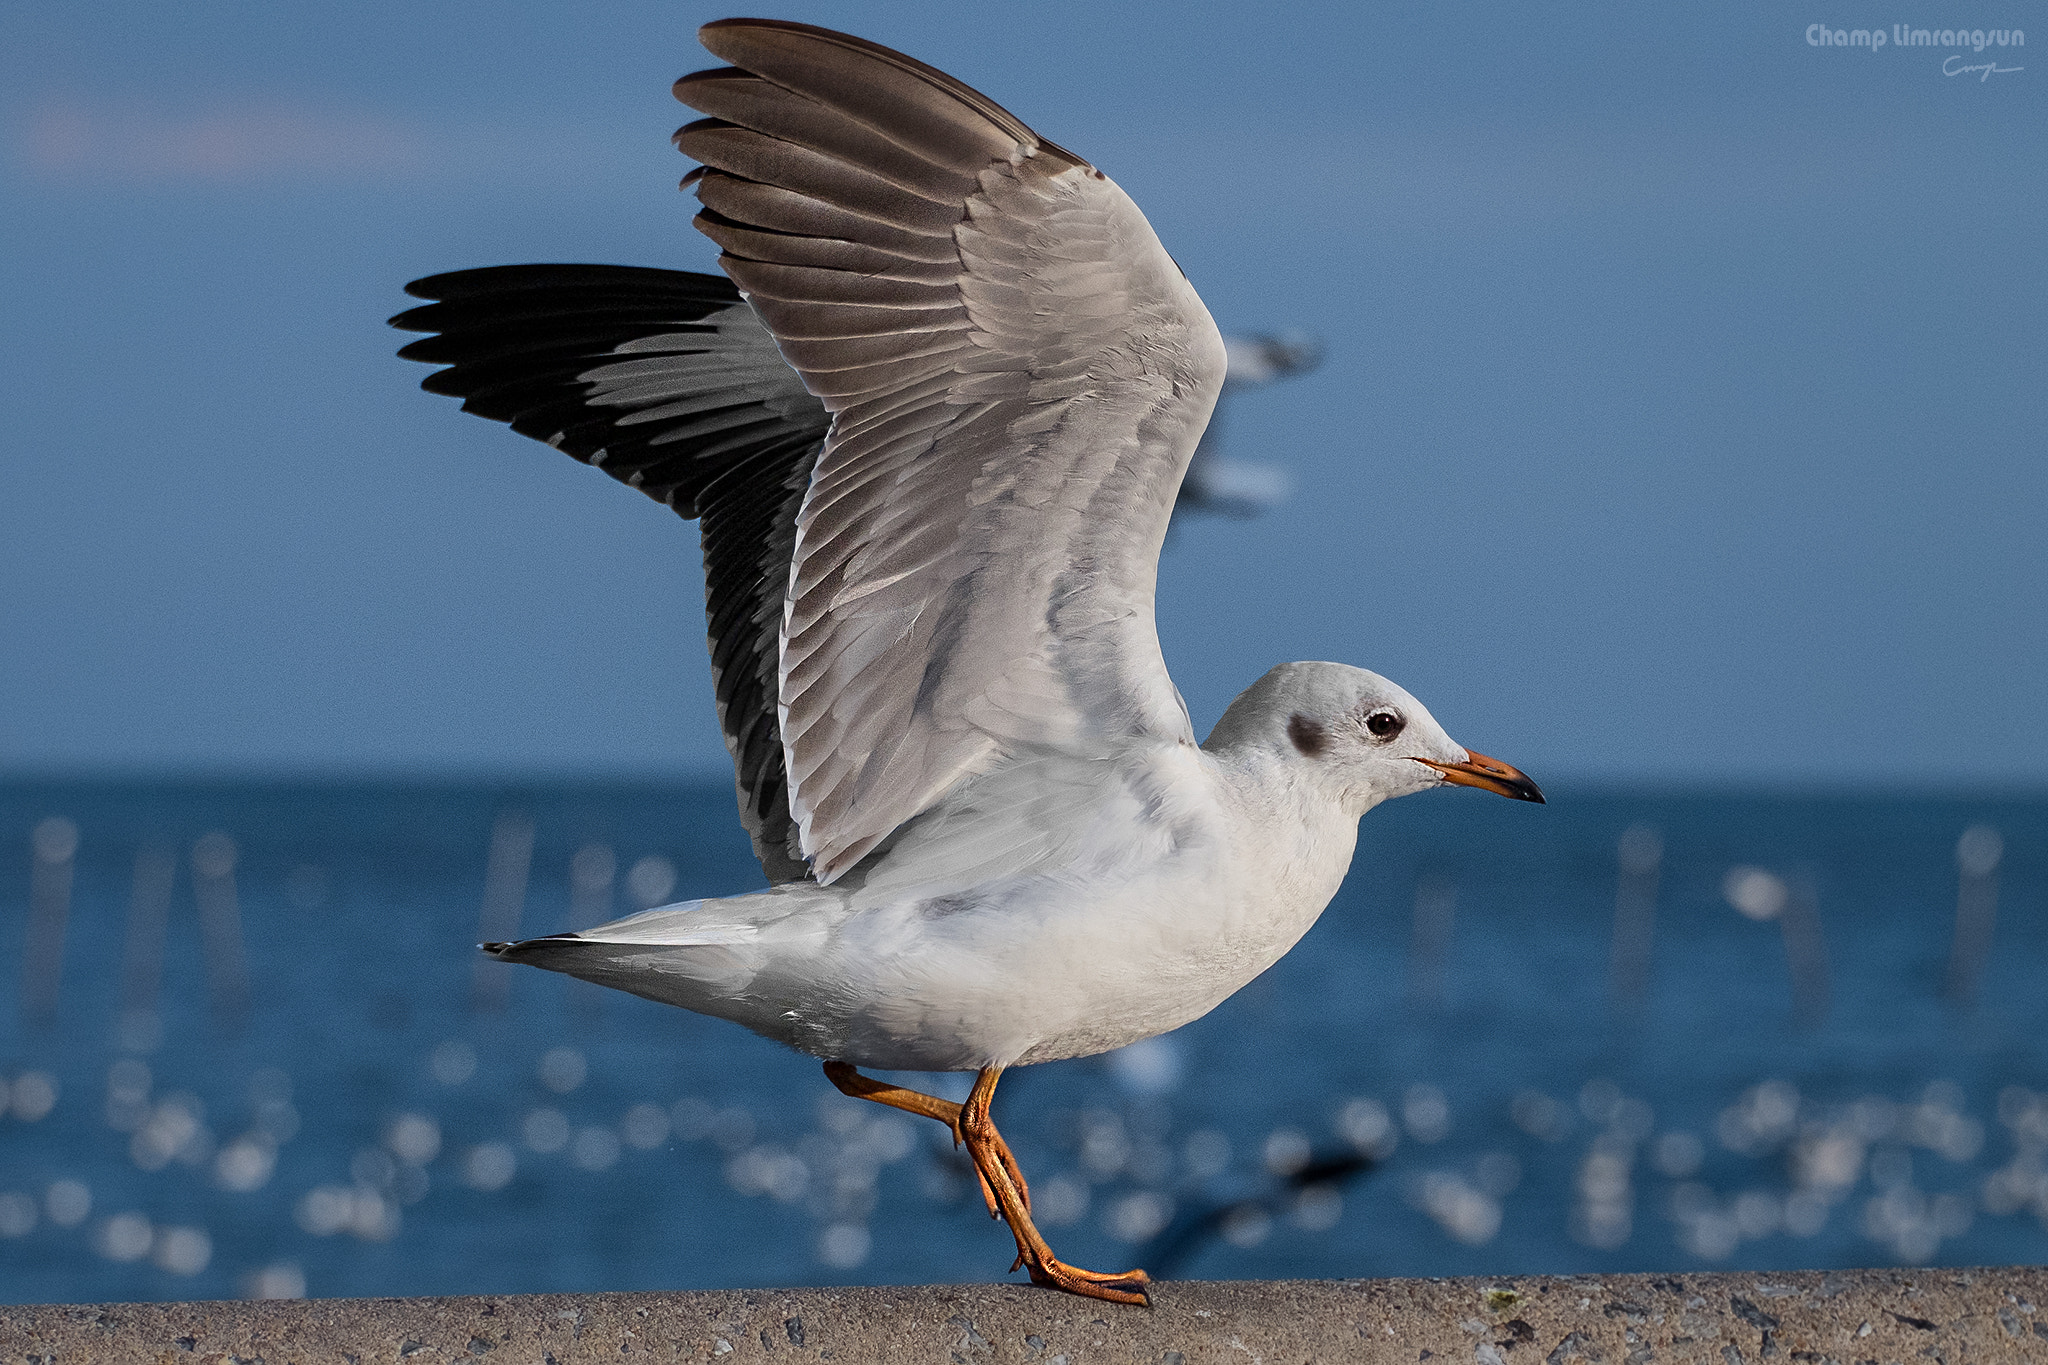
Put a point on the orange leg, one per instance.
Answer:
(1002, 1184)
(851, 1082)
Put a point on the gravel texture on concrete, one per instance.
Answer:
(1885, 1317)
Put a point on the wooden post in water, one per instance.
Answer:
(1640, 854)
(511, 861)
(140, 1028)
(53, 848)
(1806, 953)
(220, 929)
(1761, 895)
(1978, 854)
(590, 904)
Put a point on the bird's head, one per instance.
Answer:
(1358, 735)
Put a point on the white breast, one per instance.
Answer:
(1166, 891)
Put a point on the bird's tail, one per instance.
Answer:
(696, 954)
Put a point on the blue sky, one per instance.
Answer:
(1681, 418)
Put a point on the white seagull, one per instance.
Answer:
(990, 834)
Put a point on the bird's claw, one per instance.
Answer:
(1130, 1286)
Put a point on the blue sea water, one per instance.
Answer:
(1450, 1027)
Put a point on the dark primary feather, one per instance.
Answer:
(749, 536)
(666, 381)
(662, 378)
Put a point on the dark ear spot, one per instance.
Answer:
(1308, 735)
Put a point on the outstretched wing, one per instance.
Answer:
(668, 382)
(1017, 373)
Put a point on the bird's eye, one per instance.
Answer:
(1384, 724)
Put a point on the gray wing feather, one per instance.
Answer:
(1017, 374)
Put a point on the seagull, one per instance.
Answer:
(1240, 488)
(934, 440)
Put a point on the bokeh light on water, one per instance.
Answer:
(1621, 1032)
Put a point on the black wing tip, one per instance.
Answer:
(492, 279)
(489, 297)
(449, 286)
(527, 947)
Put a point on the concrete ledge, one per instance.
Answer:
(1953, 1317)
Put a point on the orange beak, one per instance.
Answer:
(1488, 774)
